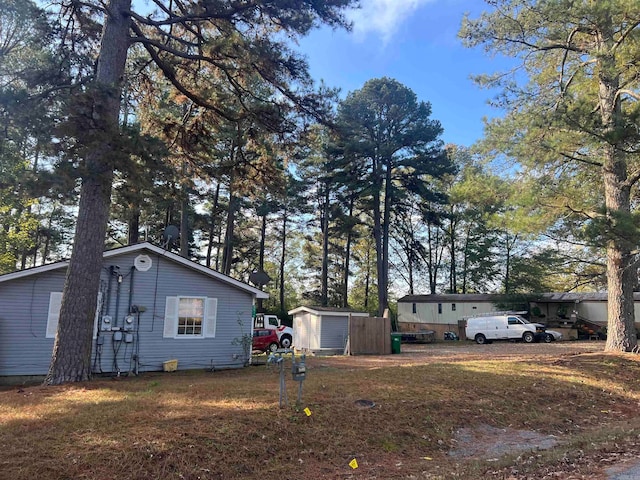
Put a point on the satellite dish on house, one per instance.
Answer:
(170, 235)
(259, 278)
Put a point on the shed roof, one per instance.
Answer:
(328, 311)
(139, 247)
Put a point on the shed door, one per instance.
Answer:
(334, 332)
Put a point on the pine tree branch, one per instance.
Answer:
(171, 76)
(627, 92)
(580, 160)
(632, 179)
(624, 35)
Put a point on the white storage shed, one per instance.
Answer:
(321, 328)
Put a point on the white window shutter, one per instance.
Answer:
(211, 314)
(171, 318)
(55, 302)
(96, 320)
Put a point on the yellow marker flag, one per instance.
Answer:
(353, 464)
(307, 411)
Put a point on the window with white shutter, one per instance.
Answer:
(190, 317)
(53, 316)
(211, 311)
(55, 301)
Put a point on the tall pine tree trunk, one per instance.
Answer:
(367, 279)
(377, 234)
(71, 358)
(383, 285)
(432, 267)
(227, 252)
(133, 235)
(465, 260)
(214, 214)
(347, 258)
(453, 281)
(263, 236)
(283, 259)
(324, 225)
(184, 213)
(621, 267)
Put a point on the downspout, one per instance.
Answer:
(109, 290)
(133, 269)
(115, 317)
(137, 348)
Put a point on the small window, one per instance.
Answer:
(413, 308)
(190, 316)
(453, 307)
(439, 309)
(513, 321)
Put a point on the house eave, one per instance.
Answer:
(138, 247)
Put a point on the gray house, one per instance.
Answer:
(153, 307)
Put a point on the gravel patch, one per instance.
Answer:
(490, 443)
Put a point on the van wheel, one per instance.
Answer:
(528, 337)
(481, 339)
(285, 341)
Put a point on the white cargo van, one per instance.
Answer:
(503, 327)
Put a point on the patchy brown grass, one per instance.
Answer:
(228, 425)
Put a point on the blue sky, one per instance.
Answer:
(415, 42)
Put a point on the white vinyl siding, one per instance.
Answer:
(53, 317)
(190, 317)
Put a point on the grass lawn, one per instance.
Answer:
(228, 424)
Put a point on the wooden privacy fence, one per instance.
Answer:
(369, 336)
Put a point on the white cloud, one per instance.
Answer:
(382, 17)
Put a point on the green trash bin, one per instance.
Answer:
(396, 340)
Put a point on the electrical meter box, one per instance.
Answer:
(128, 322)
(106, 323)
(299, 371)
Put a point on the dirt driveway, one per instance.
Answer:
(416, 353)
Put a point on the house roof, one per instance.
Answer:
(467, 297)
(579, 297)
(328, 311)
(138, 247)
(491, 297)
